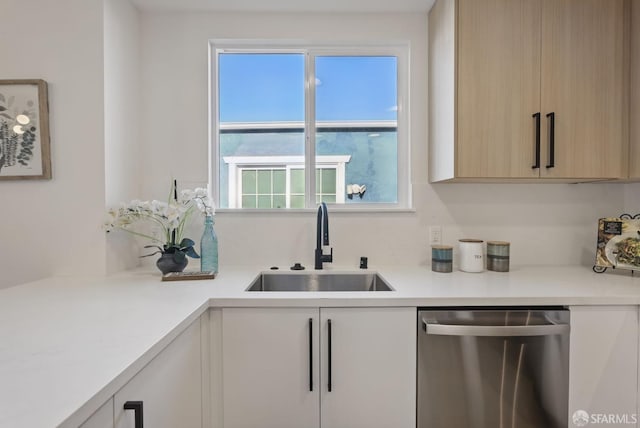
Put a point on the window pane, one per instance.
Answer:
(261, 87)
(261, 113)
(297, 201)
(264, 201)
(356, 116)
(264, 182)
(248, 201)
(248, 181)
(279, 181)
(328, 181)
(297, 181)
(279, 201)
(329, 199)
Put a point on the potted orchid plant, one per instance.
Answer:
(167, 221)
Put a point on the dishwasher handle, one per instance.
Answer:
(434, 328)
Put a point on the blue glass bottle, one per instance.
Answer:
(209, 247)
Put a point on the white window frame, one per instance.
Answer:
(237, 164)
(312, 49)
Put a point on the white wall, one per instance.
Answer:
(53, 227)
(547, 224)
(87, 51)
(121, 122)
(632, 198)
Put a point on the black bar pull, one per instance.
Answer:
(310, 354)
(136, 406)
(537, 117)
(329, 356)
(552, 134)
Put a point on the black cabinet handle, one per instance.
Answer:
(310, 354)
(537, 117)
(552, 133)
(136, 406)
(329, 356)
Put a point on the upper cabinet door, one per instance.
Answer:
(498, 88)
(583, 84)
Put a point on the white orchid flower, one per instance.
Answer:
(168, 220)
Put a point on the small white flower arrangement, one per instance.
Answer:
(200, 197)
(168, 220)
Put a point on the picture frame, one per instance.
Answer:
(618, 244)
(25, 152)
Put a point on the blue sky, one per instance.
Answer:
(270, 87)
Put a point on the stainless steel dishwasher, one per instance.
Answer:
(493, 368)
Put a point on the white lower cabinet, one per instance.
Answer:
(603, 367)
(319, 368)
(169, 387)
(373, 367)
(265, 368)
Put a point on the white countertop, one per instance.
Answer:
(68, 344)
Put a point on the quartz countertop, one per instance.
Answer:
(69, 343)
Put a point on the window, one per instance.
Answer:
(279, 181)
(293, 126)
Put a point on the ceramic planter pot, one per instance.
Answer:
(166, 264)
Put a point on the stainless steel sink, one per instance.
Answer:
(319, 281)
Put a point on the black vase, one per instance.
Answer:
(166, 263)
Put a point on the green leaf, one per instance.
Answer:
(192, 253)
(186, 242)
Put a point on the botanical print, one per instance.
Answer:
(21, 139)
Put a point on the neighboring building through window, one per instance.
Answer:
(279, 181)
(281, 113)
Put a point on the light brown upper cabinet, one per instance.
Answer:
(528, 89)
(634, 122)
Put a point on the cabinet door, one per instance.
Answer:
(583, 84)
(498, 88)
(102, 418)
(373, 367)
(267, 362)
(169, 387)
(603, 366)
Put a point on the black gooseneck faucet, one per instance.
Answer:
(322, 237)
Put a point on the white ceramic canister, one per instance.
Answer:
(471, 255)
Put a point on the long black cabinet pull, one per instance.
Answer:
(552, 134)
(537, 117)
(310, 354)
(329, 355)
(136, 406)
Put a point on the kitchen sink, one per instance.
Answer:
(319, 281)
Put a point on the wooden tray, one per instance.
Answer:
(188, 276)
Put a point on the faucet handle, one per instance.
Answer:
(329, 257)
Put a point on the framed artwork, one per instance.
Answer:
(618, 243)
(24, 130)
